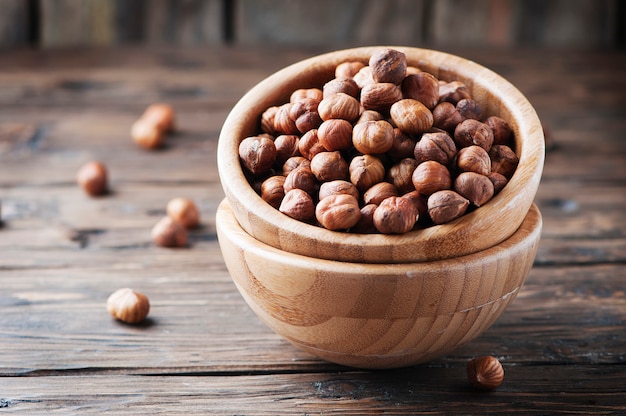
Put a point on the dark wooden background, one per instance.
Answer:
(437, 23)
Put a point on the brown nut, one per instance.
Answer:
(473, 159)
(301, 178)
(363, 77)
(430, 177)
(369, 115)
(502, 132)
(380, 96)
(146, 134)
(337, 187)
(128, 305)
(503, 160)
(295, 162)
(498, 180)
(298, 205)
(348, 69)
(339, 105)
(468, 108)
(296, 109)
(366, 222)
(473, 132)
(388, 65)
(286, 147)
(445, 206)
(366, 171)
(379, 192)
(93, 178)
(283, 123)
(257, 154)
(372, 137)
(309, 144)
(161, 115)
(401, 175)
(273, 191)
(343, 85)
(437, 146)
(395, 215)
(329, 166)
(308, 121)
(267, 120)
(475, 187)
(420, 201)
(183, 210)
(169, 233)
(403, 145)
(338, 212)
(423, 87)
(411, 116)
(446, 116)
(453, 92)
(485, 373)
(335, 134)
(304, 93)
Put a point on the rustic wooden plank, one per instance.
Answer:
(77, 22)
(14, 23)
(421, 390)
(189, 22)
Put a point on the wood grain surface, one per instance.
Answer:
(203, 351)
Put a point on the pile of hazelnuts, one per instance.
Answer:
(382, 148)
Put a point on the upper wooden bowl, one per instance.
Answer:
(485, 227)
(377, 315)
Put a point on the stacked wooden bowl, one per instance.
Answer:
(375, 300)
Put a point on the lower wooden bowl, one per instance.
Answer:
(377, 315)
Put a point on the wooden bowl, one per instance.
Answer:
(493, 223)
(377, 315)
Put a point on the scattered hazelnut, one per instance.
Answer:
(146, 134)
(161, 115)
(445, 206)
(338, 212)
(298, 205)
(128, 306)
(485, 373)
(395, 215)
(184, 211)
(93, 178)
(169, 233)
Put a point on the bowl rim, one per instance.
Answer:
(472, 232)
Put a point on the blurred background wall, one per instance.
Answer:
(436, 23)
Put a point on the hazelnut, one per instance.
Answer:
(420, 201)
(267, 120)
(366, 222)
(475, 187)
(257, 153)
(411, 116)
(335, 134)
(474, 159)
(498, 180)
(369, 115)
(372, 137)
(184, 211)
(302, 106)
(161, 115)
(379, 192)
(445, 206)
(430, 177)
(298, 205)
(329, 166)
(437, 146)
(348, 69)
(363, 77)
(395, 215)
(301, 178)
(337, 187)
(446, 116)
(128, 306)
(339, 105)
(380, 96)
(485, 373)
(169, 233)
(309, 144)
(468, 108)
(273, 191)
(343, 85)
(423, 87)
(366, 171)
(146, 134)
(388, 65)
(295, 162)
(470, 132)
(286, 147)
(93, 178)
(304, 93)
(338, 212)
(403, 145)
(503, 160)
(502, 132)
(307, 121)
(283, 123)
(453, 92)
(401, 174)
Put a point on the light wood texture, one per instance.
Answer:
(203, 350)
(485, 227)
(377, 315)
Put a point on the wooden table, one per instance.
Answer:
(202, 351)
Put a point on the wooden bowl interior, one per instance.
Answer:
(491, 224)
(377, 315)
